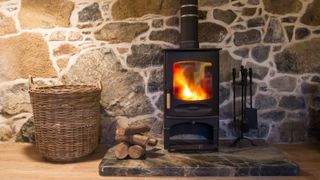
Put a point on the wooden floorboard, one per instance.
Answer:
(22, 161)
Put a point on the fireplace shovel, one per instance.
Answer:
(251, 113)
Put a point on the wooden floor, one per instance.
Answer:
(21, 161)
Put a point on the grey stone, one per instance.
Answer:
(15, 99)
(160, 102)
(118, 32)
(292, 131)
(292, 102)
(238, 27)
(254, 2)
(276, 48)
(263, 87)
(312, 14)
(238, 89)
(224, 94)
(316, 31)
(123, 90)
(300, 58)
(252, 36)
(299, 116)
(238, 4)
(108, 127)
(213, 3)
(315, 101)
(289, 31)
(260, 53)
(314, 124)
(282, 7)
(157, 23)
(90, 13)
(226, 64)
(27, 132)
(315, 79)
(264, 102)
(260, 11)
(6, 132)
(207, 35)
(248, 11)
(202, 15)
(155, 82)
(302, 33)
(308, 88)
(15, 103)
(226, 111)
(145, 55)
(273, 115)
(289, 19)
(284, 83)
(173, 21)
(255, 22)
(262, 132)
(259, 72)
(275, 32)
(167, 35)
(157, 127)
(242, 52)
(227, 16)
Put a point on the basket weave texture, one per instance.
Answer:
(66, 120)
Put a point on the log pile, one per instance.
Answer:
(133, 142)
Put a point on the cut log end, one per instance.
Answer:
(136, 151)
(121, 150)
(152, 141)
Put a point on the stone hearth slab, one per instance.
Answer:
(261, 160)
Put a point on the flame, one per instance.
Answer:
(189, 84)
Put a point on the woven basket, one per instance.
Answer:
(66, 120)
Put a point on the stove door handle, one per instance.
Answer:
(168, 104)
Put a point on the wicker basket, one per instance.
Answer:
(66, 120)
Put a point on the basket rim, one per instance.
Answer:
(64, 89)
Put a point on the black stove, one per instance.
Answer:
(191, 89)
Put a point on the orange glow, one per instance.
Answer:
(191, 81)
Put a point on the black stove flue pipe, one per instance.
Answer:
(189, 24)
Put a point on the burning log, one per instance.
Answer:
(121, 150)
(136, 151)
(132, 130)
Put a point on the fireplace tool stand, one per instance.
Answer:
(241, 126)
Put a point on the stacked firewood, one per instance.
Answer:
(133, 142)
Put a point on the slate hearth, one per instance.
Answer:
(261, 160)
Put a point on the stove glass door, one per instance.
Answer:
(192, 80)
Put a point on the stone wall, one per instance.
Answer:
(121, 41)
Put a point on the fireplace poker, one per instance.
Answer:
(245, 127)
(234, 99)
(242, 87)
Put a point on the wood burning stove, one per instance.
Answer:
(191, 79)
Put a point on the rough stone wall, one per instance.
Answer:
(120, 41)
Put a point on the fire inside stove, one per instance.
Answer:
(192, 80)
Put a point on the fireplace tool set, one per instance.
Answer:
(248, 116)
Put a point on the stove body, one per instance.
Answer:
(191, 89)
